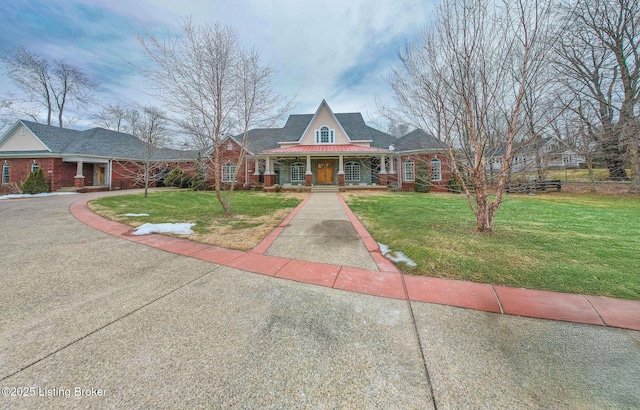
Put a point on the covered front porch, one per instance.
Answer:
(85, 174)
(358, 168)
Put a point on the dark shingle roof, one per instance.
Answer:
(418, 140)
(99, 142)
(267, 138)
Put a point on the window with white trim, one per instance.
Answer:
(6, 169)
(352, 172)
(35, 167)
(325, 135)
(409, 171)
(228, 170)
(298, 170)
(436, 170)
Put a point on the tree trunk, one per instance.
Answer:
(146, 181)
(484, 212)
(617, 171)
(634, 153)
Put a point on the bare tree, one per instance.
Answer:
(213, 86)
(150, 126)
(53, 85)
(30, 73)
(466, 82)
(113, 117)
(599, 58)
(69, 85)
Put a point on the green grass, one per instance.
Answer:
(199, 207)
(587, 244)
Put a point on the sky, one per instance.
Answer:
(336, 50)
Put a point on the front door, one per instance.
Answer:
(100, 179)
(325, 172)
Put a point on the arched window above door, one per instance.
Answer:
(325, 135)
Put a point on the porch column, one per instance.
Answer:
(78, 180)
(109, 173)
(393, 176)
(383, 171)
(269, 177)
(308, 175)
(341, 170)
(254, 178)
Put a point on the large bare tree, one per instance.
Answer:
(52, 85)
(466, 82)
(599, 59)
(214, 87)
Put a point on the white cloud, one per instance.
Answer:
(324, 49)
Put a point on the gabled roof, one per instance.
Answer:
(95, 142)
(324, 105)
(264, 139)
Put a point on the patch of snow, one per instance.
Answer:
(395, 256)
(133, 215)
(178, 228)
(15, 196)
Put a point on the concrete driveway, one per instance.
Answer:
(90, 320)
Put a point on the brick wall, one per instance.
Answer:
(229, 153)
(20, 168)
(424, 160)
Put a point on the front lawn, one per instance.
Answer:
(255, 214)
(587, 244)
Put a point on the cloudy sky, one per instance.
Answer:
(336, 50)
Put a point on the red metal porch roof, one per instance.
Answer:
(327, 148)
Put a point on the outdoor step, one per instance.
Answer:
(67, 189)
(325, 188)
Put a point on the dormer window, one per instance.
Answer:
(325, 135)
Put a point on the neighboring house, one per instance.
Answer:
(311, 149)
(545, 153)
(95, 158)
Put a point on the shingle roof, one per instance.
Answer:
(418, 140)
(262, 139)
(99, 142)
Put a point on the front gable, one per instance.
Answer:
(324, 128)
(20, 138)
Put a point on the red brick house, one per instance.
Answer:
(317, 149)
(342, 150)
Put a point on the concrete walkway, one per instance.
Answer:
(134, 326)
(321, 232)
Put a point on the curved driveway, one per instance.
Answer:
(120, 324)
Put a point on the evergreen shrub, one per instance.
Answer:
(35, 183)
(177, 178)
(423, 180)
